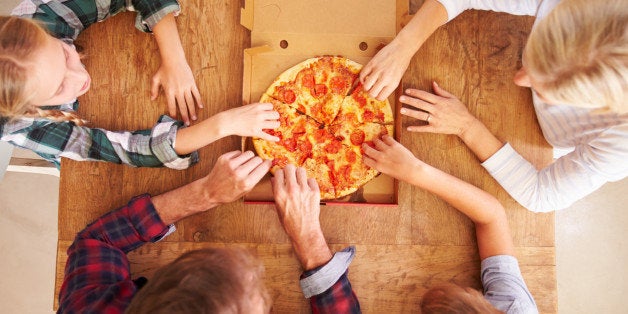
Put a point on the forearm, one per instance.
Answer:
(312, 250)
(430, 16)
(480, 140)
(197, 136)
(475, 203)
(184, 201)
(168, 40)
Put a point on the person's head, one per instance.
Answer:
(215, 280)
(578, 55)
(453, 299)
(36, 70)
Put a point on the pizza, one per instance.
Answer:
(325, 117)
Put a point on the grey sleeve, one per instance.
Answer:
(504, 287)
(325, 277)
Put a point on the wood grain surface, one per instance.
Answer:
(401, 250)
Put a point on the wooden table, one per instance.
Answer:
(401, 251)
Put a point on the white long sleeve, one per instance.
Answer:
(515, 7)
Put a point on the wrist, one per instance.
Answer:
(312, 250)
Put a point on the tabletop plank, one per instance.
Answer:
(474, 56)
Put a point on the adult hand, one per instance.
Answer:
(297, 199)
(382, 74)
(177, 81)
(391, 158)
(443, 112)
(234, 174)
(250, 120)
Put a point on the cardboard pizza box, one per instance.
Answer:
(286, 32)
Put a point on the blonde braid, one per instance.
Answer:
(61, 116)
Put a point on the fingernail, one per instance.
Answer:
(436, 84)
(194, 118)
(402, 98)
(403, 110)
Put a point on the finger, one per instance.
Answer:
(311, 182)
(183, 109)
(301, 177)
(417, 114)
(248, 166)
(421, 94)
(371, 152)
(230, 155)
(422, 128)
(172, 106)
(441, 92)
(263, 106)
(260, 171)
(369, 161)
(369, 82)
(366, 70)
(265, 136)
(271, 125)
(238, 160)
(389, 140)
(189, 104)
(416, 103)
(377, 89)
(386, 91)
(154, 88)
(197, 97)
(278, 179)
(379, 144)
(290, 175)
(271, 115)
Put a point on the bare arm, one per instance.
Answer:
(484, 210)
(234, 174)
(383, 73)
(174, 74)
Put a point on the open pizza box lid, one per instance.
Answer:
(286, 32)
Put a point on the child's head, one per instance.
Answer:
(37, 70)
(212, 280)
(578, 55)
(450, 298)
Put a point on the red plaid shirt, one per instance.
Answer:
(97, 274)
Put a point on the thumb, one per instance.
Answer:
(441, 92)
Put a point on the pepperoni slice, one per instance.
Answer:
(351, 156)
(360, 99)
(319, 90)
(290, 144)
(289, 96)
(333, 147)
(357, 137)
(320, 135)
(368, 115)
(308, 80)
(338, 85)
(280, 162)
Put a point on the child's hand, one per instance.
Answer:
(382, 74)
(391, 158)
(443, 112)
(250, 120)
(179, 85)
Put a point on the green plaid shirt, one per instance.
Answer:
(53, 140)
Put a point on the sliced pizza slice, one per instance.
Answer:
(322, 174)
(354, 134)
(348, 171)
(361, 107)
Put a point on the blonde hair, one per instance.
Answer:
(578, 54)
(19, 40)
(450, 298)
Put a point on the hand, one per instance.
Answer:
(391, 158)
(250, 120)
(178, 83)
(443, 111)
(234, 174)
(298, 205)
(382, 74)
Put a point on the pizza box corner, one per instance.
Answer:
(286, 32)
